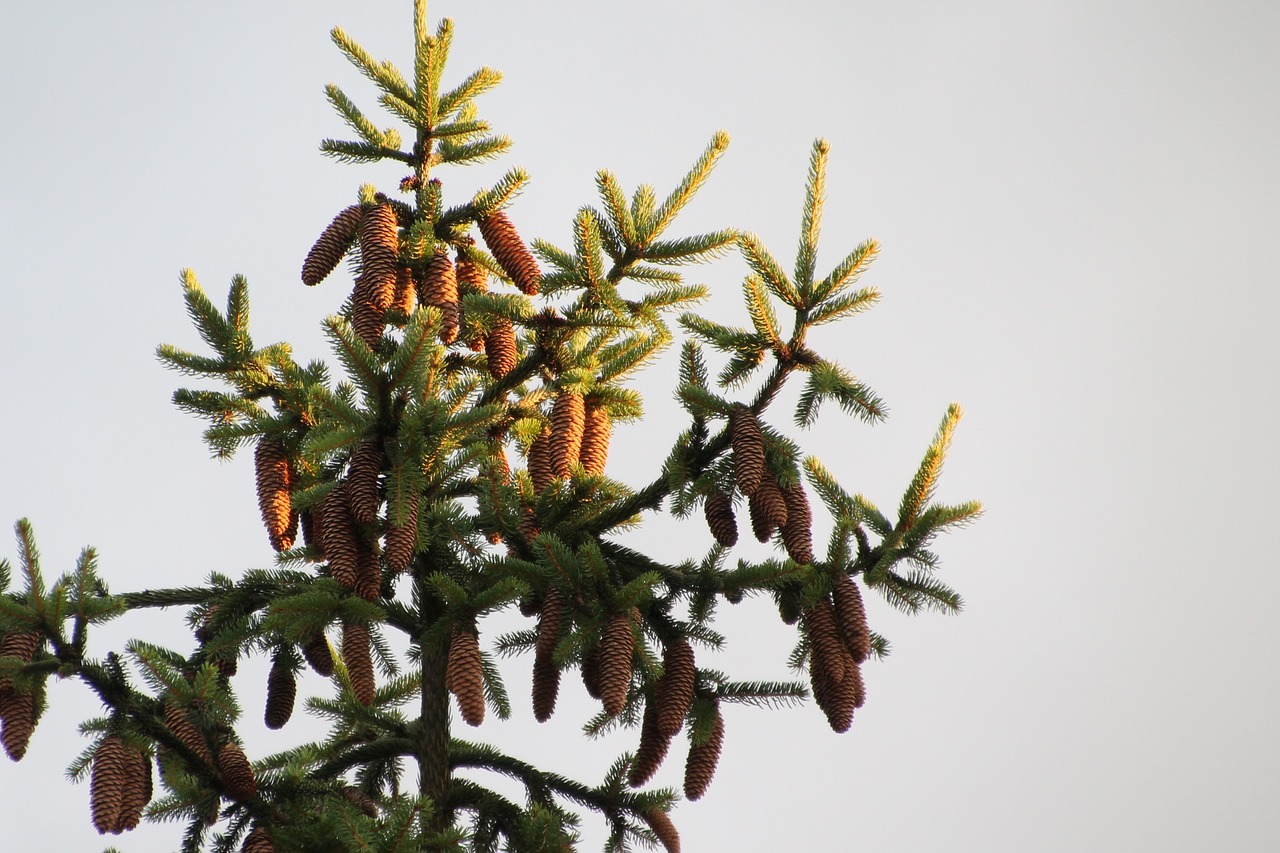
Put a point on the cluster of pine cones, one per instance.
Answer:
(17, 709)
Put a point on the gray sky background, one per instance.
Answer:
(1077, 203)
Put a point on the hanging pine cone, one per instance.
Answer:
(106, 784)
(837, 699)
(546, 686)
(500, 347)
(591, 672)
(797, 531)
(438, 287)
(617, 644)
(136, 792)
(651, 751)
(319, 655)
(464, 677)
(748, 449)
(177, 721)
(472, 278)
(673, 694)
(257, 841)
(379, 244)
(17, 722)
(718, 510)
(765, 507)
(331, 246)
(541, 471)
(361, 800)
(510, 252)
(595, 439)
(819, 624)
(851, 616)
(282, 689)
(660, 822)
(529, 528)
(271, 465)
(700, 766)
(362, 481)
(21, 645)
(236, 773)
(310, 536)
(367, 321)
(406, 292)
(368, 572)
(568, 419)
(402, 542)
(549, 618)
(338, 533)
(358, 658)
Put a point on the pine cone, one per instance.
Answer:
(107, 784)
(319, 655)
(402, 542)
(310, 535)
(362, 800)
(338, 533)
(282, 689)
(591, 672)
(851, 615)
(465, 675)
(257, 841)
(652, 749)
(500, 346)
(766, 506)
(549, 619)
(368, 572)
(797, 531)
(510, 252)
(271, 464)
(660, 822)
(718, 509)
(617, 644)
(179, 723)
(748, 449)
(359, 661)
(21, 645)
(529, 528)
(438, 287)
(541, 471)
(368, 321)
(472, 278)
(17, 722)
(828, 650)
(379, 245)
(546, 684)
(568, 419)
(137, 790)
(406, 292)
(837, 699)
(236, 773)
(700, 766)
(673, 694)
(331, 246)
(362, 481)
(595, 439)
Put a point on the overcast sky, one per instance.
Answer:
(1078, 206)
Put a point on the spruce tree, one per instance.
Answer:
(451, 464)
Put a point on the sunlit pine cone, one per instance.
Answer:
(17, 722)
(851, 616)
(406, 292)
(617, 644)
(359, 660)
(766, 506)
(718, 509)
(368, 322)
(319, 655)
(673, 694)
(137, 790)
(379, 245)
(541, 471)
(591, 672)
(595, 439)
(257, 841)
(651, 751)
(438, 287)
(500, 347)
(331, 245)
(510, 252)
(236, 773)
(660, 822)
(465, 675)
(472, 278)
(797, 531)
(546, 686)
(338, 533)
(568, 420)
(363, 470)
(177, 721)
(747, 440)
(282, 690)
(361, 800)
(107, 784)
(271, 466)
(402, 542)
(368, 572)
(529, 527)
(700, 766)
(21, 645)
(828, 650)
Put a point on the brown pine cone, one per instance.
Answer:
(107, 784)
(651, 751)
(765, 507)
(546, 685)
(591, 672)
(257, 841)
(21, 645)
(282, 689)
(402, 542)
(271, 465)
(500, 347)
(438, 287)
(828, 652)
(673, 694)
(236, 773)
(797, 531)
(406, 292)
(617, 644)
(836, 699)
(718, 510)
(700, 766)
(307, 521)
(379, 243)
(331, 246)
(136, 792)
(472, 278)
(529, 528)
(367, 321)
(362, 481)
(338, 533)
(549, 619)
(851, 616)
(464, 677)
(17, 722)
(595, 439)
(660, 822)
(361, 800)
(568, 420)
(319, 655)
(541, 471)
(748, 449)
(368, 572)
(510, 252)
(358, 658)
(177, 721)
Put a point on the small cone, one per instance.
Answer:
(17, 722)
(617, 644)
(591, 672)
(271, 464)
(368, 572)
(331, 246)
(362, 800)
(660, 822)
(179, 723)
(762, 509)
(851, 615)
(541, 471)
(500, 348)
(797, 531)
(236, 773)
(718, 509)
(700, 766)
(338, 533)
(438, 287)
(510, 252)
(472, 278)
(673, 693)
(136, 792)
(257, 841)
(362, 481)
(107, 784)
(652, 749)
(748, 449)
(568, 419)
(828, 650)
(595, 439)
(549, 621)
(837, 699)
(546, 685)
(307, 521)
(319, 655)
(406, 292)
(282, 689)
(359, 661)
(529, 528)
(402, 542)
(464, 677)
